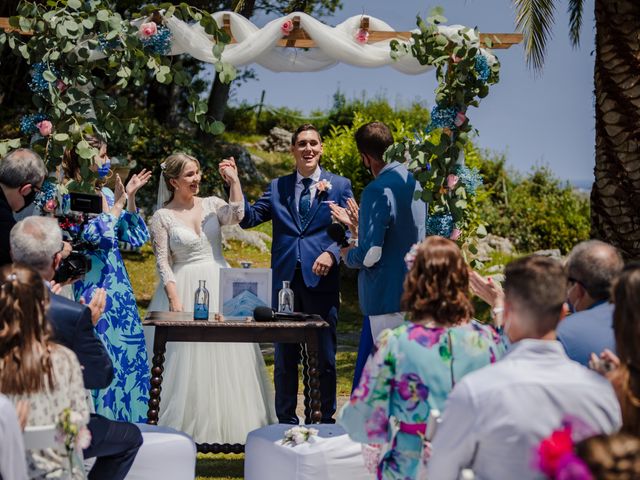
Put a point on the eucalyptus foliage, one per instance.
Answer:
(436, 155)
(84, 55)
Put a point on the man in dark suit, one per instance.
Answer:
(21, 175)
(37, 242)
(303, 254)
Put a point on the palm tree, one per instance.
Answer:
(615, 196)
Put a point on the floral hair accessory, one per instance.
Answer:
(324, 186)
(287, 27)
(557, 459)
(361, 36)
(297, 435)
(410, 257)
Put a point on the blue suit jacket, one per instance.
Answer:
(72, 328)
(390, 218)
(291, 239)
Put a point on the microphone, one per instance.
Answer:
(266, 314)
(338, 233)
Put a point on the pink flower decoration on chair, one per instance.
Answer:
(45, 127)
(452, 180)
(287, 27)
(362, 36)
(51, 205)
(455, 234)
(460, 119)
(148, 29)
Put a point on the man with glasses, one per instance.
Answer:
(21, 175)
(592, 266)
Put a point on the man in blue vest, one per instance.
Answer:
(390, 222)
(303, 253)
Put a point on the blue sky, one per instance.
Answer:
(534, 119)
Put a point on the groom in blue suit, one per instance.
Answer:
(305, 255)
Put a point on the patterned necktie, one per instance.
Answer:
(305, 199)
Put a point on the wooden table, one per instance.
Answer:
(180, 327)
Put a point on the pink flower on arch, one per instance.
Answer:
(362, 36)
(452, 180)
(148, 29)
(45, 127)
(61, 86)
(455, 58)
(460, 119)
(287, 27)
(455, 234)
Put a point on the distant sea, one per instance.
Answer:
(583, 186)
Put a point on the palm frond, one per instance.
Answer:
(575, 20)
(534, 18)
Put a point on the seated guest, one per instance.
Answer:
(34, 368)
(592, 266)
(416, 365)
(624, 370)
(36, 242)
(496, 416)
(12, 457)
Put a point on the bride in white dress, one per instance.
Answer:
(215, 392)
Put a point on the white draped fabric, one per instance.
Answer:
(333, 44)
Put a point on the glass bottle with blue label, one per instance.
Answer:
(201, 302)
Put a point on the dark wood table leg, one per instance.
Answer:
(311, 377)
(159, 349)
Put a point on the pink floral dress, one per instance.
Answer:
(412, 371)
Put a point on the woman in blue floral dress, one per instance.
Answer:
(119, 327)
(417, 364)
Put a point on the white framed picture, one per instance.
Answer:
(242, 290)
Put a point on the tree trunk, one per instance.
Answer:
(615, 197)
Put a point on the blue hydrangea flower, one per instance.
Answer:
(442, 118)
(482, 67)
(470, 178)
(38, 84)
(160, 43)
(47, 192)
(441, 224)
(104, 44)
(28, 123)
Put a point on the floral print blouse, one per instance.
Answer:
(413, 370)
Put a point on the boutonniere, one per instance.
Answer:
(324, 186)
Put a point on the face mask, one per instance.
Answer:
(29, 198)
(103, 171)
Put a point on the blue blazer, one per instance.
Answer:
(292, 240)
(390, 218)
(72, 328)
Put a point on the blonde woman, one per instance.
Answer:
(215, 392)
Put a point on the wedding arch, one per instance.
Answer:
(80, 51)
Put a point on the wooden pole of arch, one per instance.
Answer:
(299, 38)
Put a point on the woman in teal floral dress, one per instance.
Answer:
(119, 327)
(417, 364)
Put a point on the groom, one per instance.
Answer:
(303, 254)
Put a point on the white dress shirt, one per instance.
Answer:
(497, 416)
(315, 176)
(13, 463)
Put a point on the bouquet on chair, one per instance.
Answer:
(75, 436)
(297, 435)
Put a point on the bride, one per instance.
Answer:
(215, 392)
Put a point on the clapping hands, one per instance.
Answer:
(348, 216)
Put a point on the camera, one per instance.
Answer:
(81, 208)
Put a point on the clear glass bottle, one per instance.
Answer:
(285, 298)
(201, 302)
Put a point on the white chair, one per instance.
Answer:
(331, 456)
(165, 454)
(40, 437)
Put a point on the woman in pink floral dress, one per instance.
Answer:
(417, 364)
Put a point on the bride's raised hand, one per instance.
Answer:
(229, 171)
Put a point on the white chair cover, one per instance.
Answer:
(40, 437)
(331, 456)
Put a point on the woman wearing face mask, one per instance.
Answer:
(215, 392)
(119, 327)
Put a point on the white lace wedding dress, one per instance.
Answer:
(215, 392)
